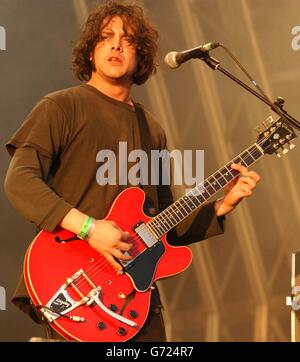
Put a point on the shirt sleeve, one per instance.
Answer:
(201, 224)
(28, 192)
(46, 129)
(34, 148)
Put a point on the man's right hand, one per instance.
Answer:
(108, 239)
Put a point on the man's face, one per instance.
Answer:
(114, 57)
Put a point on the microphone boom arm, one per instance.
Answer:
(276, 107)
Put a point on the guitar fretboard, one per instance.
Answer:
(183, 207)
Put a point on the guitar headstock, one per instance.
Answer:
(276, 137)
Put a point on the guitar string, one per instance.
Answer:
(101, 264)
(188, 198)
(104, 263)
(190, 202)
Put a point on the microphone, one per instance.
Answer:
(175, 59)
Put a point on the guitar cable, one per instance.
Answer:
(72, 318)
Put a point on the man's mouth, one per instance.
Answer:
(115, 60)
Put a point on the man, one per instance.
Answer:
(51, 179)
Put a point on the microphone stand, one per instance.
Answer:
(277, 106)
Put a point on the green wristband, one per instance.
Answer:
(85, 229)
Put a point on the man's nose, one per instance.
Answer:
(117, 43)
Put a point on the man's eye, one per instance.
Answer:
(129, 39)
(105, 36)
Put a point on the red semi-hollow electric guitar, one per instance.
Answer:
(78, 291)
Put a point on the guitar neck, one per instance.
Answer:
(183, 207)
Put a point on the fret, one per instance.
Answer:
(253, 159)
(221, 179)
(210, 190)
(177, 209)
(169, 216)
(243, 157)
(173, 215)
(162, 223)
(152, 229)
(203, 192)
(165, 220)
(234, 174)
(191, 198)
(156, 221)
(226, 172)
(237, 160)
(162, 230)
(257, 154)
(257, 151)
(182, 207)
(218, 183)
(185, 200)
(159, 227)
(196, 197)
(177, 212)
(214, 183)
(153, 226)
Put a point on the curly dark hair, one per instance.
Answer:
(145, 38)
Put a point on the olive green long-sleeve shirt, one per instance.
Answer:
(54, 163)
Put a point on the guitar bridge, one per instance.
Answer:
(62, 303)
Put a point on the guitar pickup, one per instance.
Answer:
(145, 234)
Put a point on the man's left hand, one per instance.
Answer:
(237, 190)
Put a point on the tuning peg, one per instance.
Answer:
(258, 129)
(279, 102)
(282, 151)
(285, 150)
(291, 145)
(269, 121)
(288, 136)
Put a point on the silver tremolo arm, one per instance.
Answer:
(94, 295)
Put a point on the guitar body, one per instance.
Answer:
(79, 292)
(52, 261)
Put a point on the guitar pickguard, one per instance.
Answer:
(142, 269)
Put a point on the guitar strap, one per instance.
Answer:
(151, 204)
